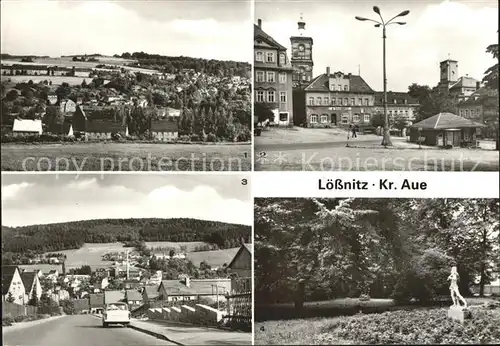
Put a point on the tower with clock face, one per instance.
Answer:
(302, 61)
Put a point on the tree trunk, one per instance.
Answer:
(482, 281)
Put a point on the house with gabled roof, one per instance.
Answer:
(338, 100)
(150, 293)
(13, 285)
(445, 130)
(32, 285)
(273, 76)
(99, 122)
(241, 264)
(188, 289)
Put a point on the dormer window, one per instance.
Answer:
(282, 59)
(395, 101)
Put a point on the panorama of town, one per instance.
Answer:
(108, 107)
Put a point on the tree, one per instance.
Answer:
(263, 112)
(84, 83)
(378, 119)
(33, 299)
(68, 306)
(491, 74)
(12, 95)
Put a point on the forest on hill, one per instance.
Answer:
(170, 64)
(383, 248)
(72, 235)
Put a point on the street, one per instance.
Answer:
(77, 330)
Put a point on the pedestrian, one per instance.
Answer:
(349, 131)
(354, 132)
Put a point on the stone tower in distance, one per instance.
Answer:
(302, 61)
(448, 74)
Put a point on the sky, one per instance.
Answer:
(435, 30)
(212, 29)
(29, 199)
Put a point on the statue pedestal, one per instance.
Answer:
(459, 313)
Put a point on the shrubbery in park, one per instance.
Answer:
(422, 326)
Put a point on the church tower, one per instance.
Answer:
(302, 61)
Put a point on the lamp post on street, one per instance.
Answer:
(386, 140)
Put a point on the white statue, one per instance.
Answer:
(455, 294)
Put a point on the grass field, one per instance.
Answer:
(113, 156)
(56, 80)
(190, 246)
(215, 258)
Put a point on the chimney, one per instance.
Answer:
(328, 71)
(187, 282)
(242, 241)
(259, 23)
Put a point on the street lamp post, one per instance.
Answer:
(386, 140)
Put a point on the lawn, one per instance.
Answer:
(114, 156)
(215, 258)
(419, 326)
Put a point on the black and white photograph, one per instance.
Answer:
(379, 271)
(126, 259)
(120, 85)
(376, 86)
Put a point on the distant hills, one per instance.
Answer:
(72, 235)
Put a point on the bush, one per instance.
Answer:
(364, 298)
(7, 321)
(211, 137)
(195, 138)
(20, 318)
(422, 326)
(184, 138)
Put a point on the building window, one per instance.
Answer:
(345, 119)
(461, 112)
(367, 118)
(333, 101)
(260, 96)
(260, 76)
(271, 77)
(340, 87)
(259, 56)
(406, 101)
(406, 113)
(311, 101)
(340, 102)
(395, 101)
(324, 118)
(345, 101)
(270, 57)
(314, 118)
(282, 59)
(466, 113)
(318, 101)
(360, 101)
(346, 88)
(352, 101)
(326, 101)
(282, 77)
(283, 96)
(355, 118)
(366, 102)
(283, 117)
(270, 96)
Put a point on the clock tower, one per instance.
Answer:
(302, 61)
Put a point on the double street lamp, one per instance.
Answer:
(386, 140)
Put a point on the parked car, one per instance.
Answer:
(116, 313)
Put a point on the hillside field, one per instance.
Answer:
(91, 254)
(215, 258)
(56, 80)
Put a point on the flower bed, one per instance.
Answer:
(422, 326)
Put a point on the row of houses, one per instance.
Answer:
(96, 123)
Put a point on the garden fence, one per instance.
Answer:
(14, 310)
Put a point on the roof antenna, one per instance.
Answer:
(359, 69)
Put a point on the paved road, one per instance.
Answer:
(315, 145)
(78, 330)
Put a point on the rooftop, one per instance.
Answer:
(446, 121)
